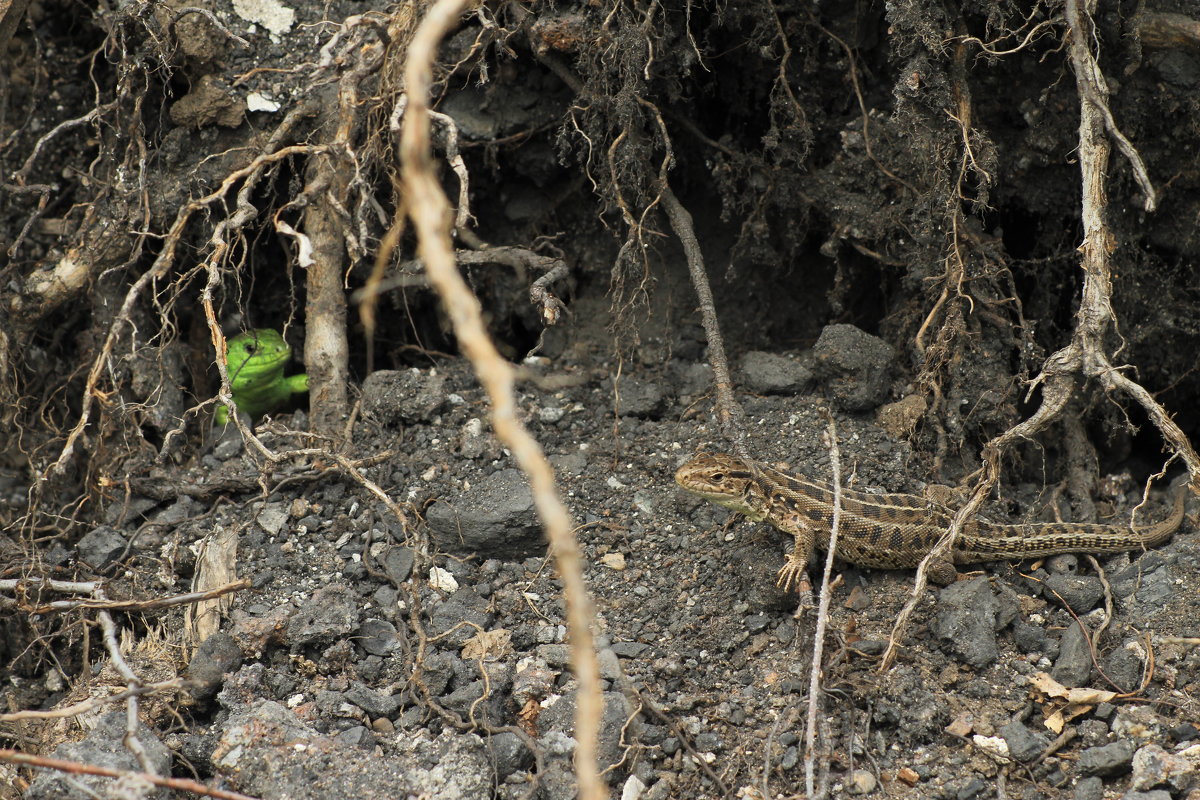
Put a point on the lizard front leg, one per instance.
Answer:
(792, 573)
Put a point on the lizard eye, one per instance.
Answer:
(717, 477)
(251, 348)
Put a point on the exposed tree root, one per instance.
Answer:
(1085, 357)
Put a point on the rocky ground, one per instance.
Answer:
(370, 659)
(886, 198)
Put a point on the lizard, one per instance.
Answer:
(893, 531)
(255, 361)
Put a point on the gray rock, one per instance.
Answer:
(555, 655)
(185, 508)
(100, 547)
(229, 441)
(465, 605)
(466, 700)
(398, 563)
(330, 703)
(690, 378)
(131, 509)
(1080, 593)
(358, 736)
(1073, 666)
(610, 665)
(557, 778)
(854, 366)
(216, 656)
(1185, 732)
(638, 398)
(101, 748)
(1063, 564)
(378, 637)
(1023, 744)
(629, 649)
(1029, 637)
(376, 704)
(509, 754)
(560, 718)
(397, 396)
(1155, 767)
(572, 464)
(1128, 580)
(259, 745)
(438, 670)
(971, 789)
(1157, 794)
(1146, 587)
(862, 781)
(771, 373)
(271, 517)
(495, 519)
(1008, 605)
(1124, 668)
(871, 647)
(1090, 788)
(332, 613)
(1107, 760)
(965, 622)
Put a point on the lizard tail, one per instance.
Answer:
(992, 541)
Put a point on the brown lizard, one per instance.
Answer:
(893, 531)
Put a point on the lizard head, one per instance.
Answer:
(255, 357)
(720, 478)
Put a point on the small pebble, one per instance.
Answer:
(862, 782)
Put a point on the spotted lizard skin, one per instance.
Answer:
(893, 531)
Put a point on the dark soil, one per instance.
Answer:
(887, 200)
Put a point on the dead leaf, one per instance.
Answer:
(490, 645)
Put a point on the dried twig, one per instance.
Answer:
(430, 213)
(76, 768)
(99, 602)
(814, 675)
(75, 709)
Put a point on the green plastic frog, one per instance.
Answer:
(255, 361)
